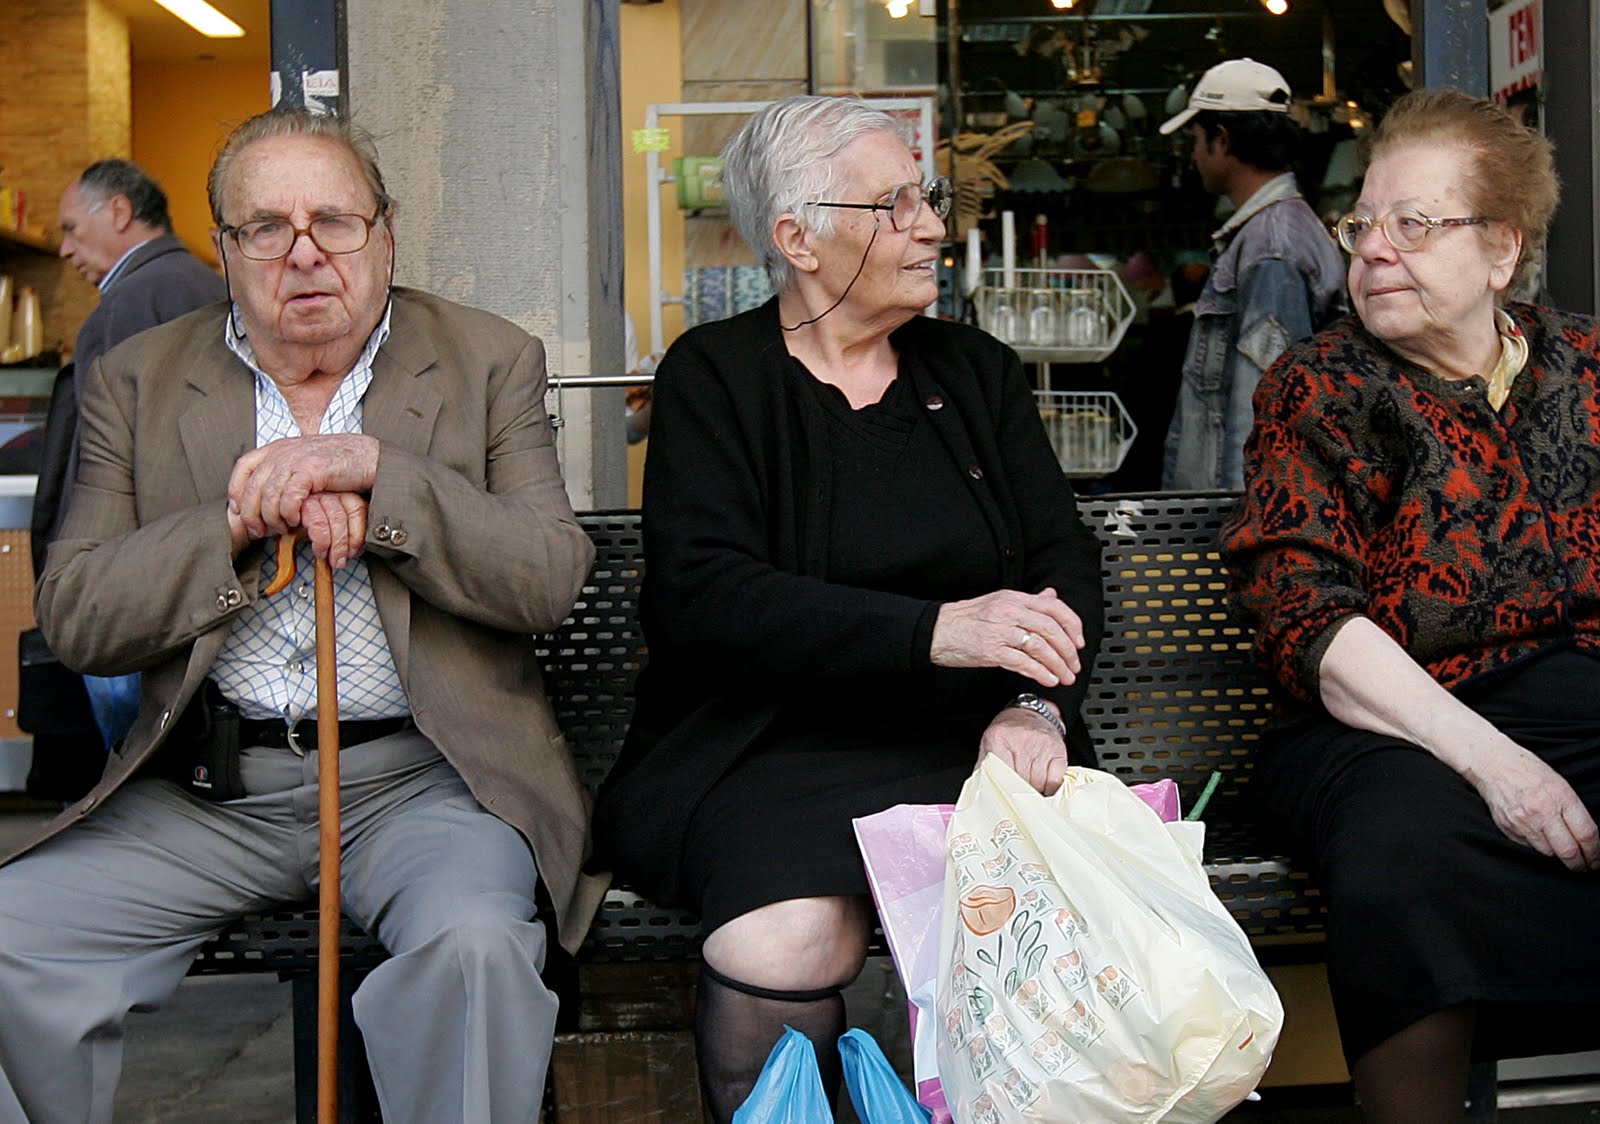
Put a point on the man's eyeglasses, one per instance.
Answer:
(1404, 228)
(905, 201)
(271, 239)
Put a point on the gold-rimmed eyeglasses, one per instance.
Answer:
(1403, 227)
(905, 200)
(271, 239)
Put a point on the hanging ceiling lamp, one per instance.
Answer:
(1276, 7)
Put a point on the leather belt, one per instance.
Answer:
(275, 733)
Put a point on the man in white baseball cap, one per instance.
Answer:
(1276, 275)
(1236, 86)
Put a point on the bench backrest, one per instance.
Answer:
(1174, 693)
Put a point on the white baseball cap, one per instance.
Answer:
(1235, 86)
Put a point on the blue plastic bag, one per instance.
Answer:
(789, 1090)
(875, 1088)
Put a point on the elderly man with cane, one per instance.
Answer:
(406, 437)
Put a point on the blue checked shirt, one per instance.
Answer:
(268, 664)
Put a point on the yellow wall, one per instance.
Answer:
(181, 113)
(652, 71)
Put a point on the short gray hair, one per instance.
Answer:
(105, 179)
(782, 158)
(297, 123)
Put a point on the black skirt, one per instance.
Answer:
(778, 825)
(1430, 904)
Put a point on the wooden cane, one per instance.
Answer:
(328, 815)
(328, 822)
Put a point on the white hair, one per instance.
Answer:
(782, 159)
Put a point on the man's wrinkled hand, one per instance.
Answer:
(336, 524)
(269, 487)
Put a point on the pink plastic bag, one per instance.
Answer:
(903, 849)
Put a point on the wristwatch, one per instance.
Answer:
(1034, 703)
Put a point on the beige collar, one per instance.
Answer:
(1513, 357)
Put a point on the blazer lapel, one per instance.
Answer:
(218, 426)
(402, 405)
(400, 408)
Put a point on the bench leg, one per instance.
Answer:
(358, 1101)
(1483, 1088)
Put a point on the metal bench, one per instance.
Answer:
(1175, 693)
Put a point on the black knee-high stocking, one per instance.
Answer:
(737, 1025)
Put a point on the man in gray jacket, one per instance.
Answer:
(1276, 275)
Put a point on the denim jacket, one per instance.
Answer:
(1277, 278)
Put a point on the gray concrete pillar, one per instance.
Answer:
(499, 129)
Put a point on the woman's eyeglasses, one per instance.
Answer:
(1404, 228)
(905, 201)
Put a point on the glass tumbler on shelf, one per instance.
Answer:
(1002, 323)
(1086, 320)
(1044, 322)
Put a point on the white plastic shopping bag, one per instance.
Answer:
(903, 849)
(1087, 970)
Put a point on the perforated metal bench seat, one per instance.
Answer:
(1175, 693)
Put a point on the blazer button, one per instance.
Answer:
(934, 402)
(166, 716)
(975, 472)
(383, 532)
(222, 602)
(397, 537)
(234, 598)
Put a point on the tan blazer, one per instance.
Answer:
(472, 547)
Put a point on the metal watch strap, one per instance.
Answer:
(1040, 707)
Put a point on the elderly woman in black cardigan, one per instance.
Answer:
(866, 571)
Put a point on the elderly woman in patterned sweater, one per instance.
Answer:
(1417, 549)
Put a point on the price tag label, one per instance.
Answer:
(651, 140)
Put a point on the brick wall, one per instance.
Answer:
(64, 101)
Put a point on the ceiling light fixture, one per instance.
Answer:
(203, 18)
(899, 9)
(1063, 4)
(1276, 7)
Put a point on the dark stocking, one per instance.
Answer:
(1419, 1075)
(736, 1026)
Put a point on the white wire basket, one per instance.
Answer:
(1055, 315)
(1090, 430)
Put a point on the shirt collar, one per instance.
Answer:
(116, 270)
(240, 345)
(1275, 190)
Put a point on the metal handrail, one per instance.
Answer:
(590, 382)
(595, 382)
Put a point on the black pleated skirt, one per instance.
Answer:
(1430, 904)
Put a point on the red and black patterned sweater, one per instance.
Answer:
(1373, 487)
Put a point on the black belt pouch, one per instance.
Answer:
(202, 755)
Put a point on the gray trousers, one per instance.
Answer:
(107, 916)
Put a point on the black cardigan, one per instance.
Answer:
(737, 490)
